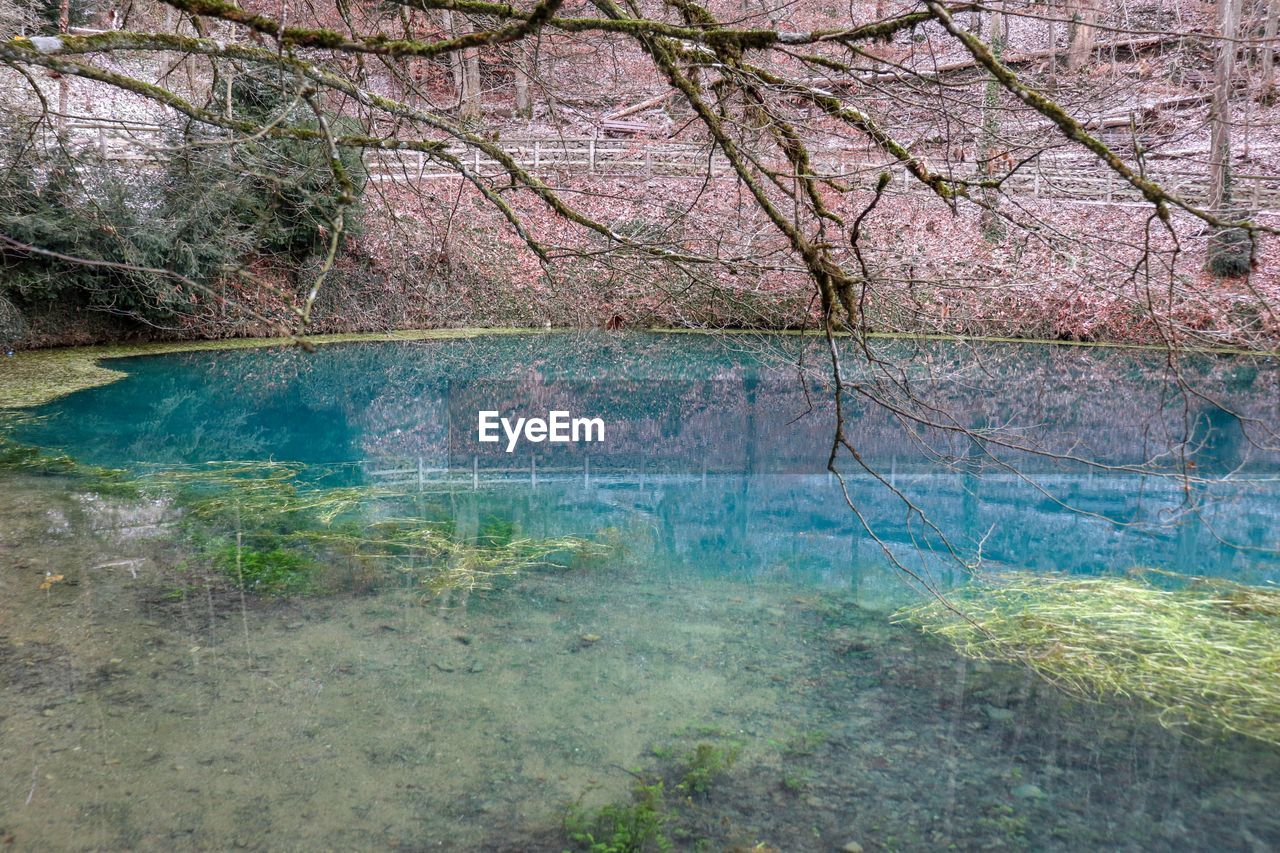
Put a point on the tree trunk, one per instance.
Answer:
(455, 59)
(64, 24)
(526, 67)
(1230, 249)
(992, 225)
(1081, 33)
(471, 108)
(1052, 46)
(1267, 88)
(1220, 109)
(465, 66)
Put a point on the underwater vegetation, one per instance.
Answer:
(634, 827)
(275, 572)
(659, 810)
(291, 523)
(704, 765)
(21, 458)
(1200, 651)
(272, 527)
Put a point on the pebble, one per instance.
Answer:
(852, 847)
(1028, 792)
(590, 638)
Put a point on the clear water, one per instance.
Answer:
(147, 705)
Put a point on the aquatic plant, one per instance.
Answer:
(804, 743)
(16, 457)
(1201, 651)
(633, 827)
(271, 526)
(797, 782)
(285, 507)
(704, 765)
(277, 571)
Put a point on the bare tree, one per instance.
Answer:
(1081, 33)
(525, 69)
(1267, 86)
(1220, 109)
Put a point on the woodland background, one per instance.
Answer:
(96, 173)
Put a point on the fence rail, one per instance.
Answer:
(1072, 183)
(418, 474)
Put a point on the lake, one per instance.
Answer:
(710, 608)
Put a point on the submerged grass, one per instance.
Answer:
(274, 527)
(279, 509)
(24, 459)
(1203, 652)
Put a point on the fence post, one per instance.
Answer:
(420, 474)
(102, 142)
(475, 472)
(591, 156)
(586, 472)
(533, 470)
(537, 154)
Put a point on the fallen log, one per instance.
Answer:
(646, 104)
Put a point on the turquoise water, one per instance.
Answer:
(146, 703)
(1084, 460)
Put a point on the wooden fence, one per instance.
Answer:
(419, 475)
(1071, 183)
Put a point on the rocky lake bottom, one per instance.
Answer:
(145, 703)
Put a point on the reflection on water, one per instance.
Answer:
(146, 705)
(1044, 458)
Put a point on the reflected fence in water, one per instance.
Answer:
(1085, 521)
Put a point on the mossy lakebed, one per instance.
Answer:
(154, 706)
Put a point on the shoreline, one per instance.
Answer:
(31, 378)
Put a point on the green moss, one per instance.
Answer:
(274, 572)
(34, 377)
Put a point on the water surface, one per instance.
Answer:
(148, 704)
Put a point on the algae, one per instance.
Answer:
(1202, 652)
(34, 377)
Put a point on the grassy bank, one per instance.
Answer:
(33, 377)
